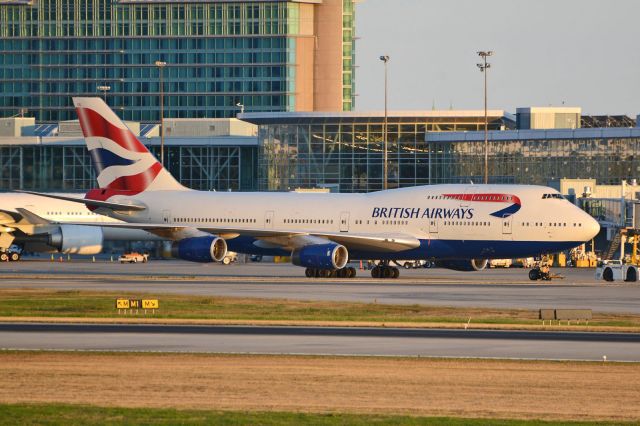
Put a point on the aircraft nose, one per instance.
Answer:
(592, 227)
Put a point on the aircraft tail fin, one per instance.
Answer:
(122, 163)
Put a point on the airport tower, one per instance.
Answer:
(214, 57)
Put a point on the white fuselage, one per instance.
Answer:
(66, 212)
(457, 214)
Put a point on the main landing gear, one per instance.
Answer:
(385, 271)
(347, 272)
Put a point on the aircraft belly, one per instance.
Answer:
(431, 249)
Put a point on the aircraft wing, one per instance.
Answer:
(88, 202)
(384, 242)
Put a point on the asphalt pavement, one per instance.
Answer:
(323, 341)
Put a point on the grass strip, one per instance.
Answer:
(62, 414)
(87, 304)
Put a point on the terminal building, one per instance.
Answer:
(204, 154)
(344, 151)
(215, 57)
(341, 151)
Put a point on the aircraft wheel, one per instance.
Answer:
(396, 273)
(607, 274)
(407, 265)
(386, 272)
(310, 273)
(376, 272)
(4, 257)
(351, 272)
(632, 276)
(534, 275)
(342, 273)
(14, 257)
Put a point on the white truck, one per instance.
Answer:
(615, 270)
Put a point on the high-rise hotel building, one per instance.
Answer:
(221, 56)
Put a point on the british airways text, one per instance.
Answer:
(417, 212)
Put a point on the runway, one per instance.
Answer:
(507, 289)
(323, 341)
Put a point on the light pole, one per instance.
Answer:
(484, 66)
(241, 106)
(161, 65)
(385, 59)
(104, 90)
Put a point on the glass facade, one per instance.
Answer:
(218, 53)
(345, 152)
(67, 167)
(537, 157)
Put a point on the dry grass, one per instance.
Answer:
(34, 304)
(459, 388)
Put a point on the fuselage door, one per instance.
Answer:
(166, 216)
(433, 226)
(268, 220)
(344, 222)
(507, 223)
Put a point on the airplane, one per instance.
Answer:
(34, 226)
(458, 226)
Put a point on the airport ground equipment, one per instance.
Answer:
(133, 257)
(616, 270)
(500, 263)
(230, 258)
(13, 254)
(542, 270)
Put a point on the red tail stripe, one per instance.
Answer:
(138, 182)
(94, 125)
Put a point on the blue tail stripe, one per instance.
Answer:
(103, 158)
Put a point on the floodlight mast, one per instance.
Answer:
(484, 66)
(385, 59)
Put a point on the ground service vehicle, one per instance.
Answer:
(615, 270)
(133, 257)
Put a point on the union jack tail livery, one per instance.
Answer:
(124, 166)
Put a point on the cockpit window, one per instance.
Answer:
(558, 196)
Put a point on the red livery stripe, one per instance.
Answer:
(490, 198)
(94, 125)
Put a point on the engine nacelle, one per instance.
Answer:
(321, 256)
(77, 239)
(200, 249)
(463, 265)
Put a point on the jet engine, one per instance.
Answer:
(321, 256)
(200, 249)
(463, 265)
(76, 239)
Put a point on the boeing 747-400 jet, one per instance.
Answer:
(37, 225)
(458, 226)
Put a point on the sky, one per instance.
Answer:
(582, 53)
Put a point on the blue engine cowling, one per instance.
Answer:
(463, 265)
(200, 249)
(321, 256)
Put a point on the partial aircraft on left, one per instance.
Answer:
(35, 224)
